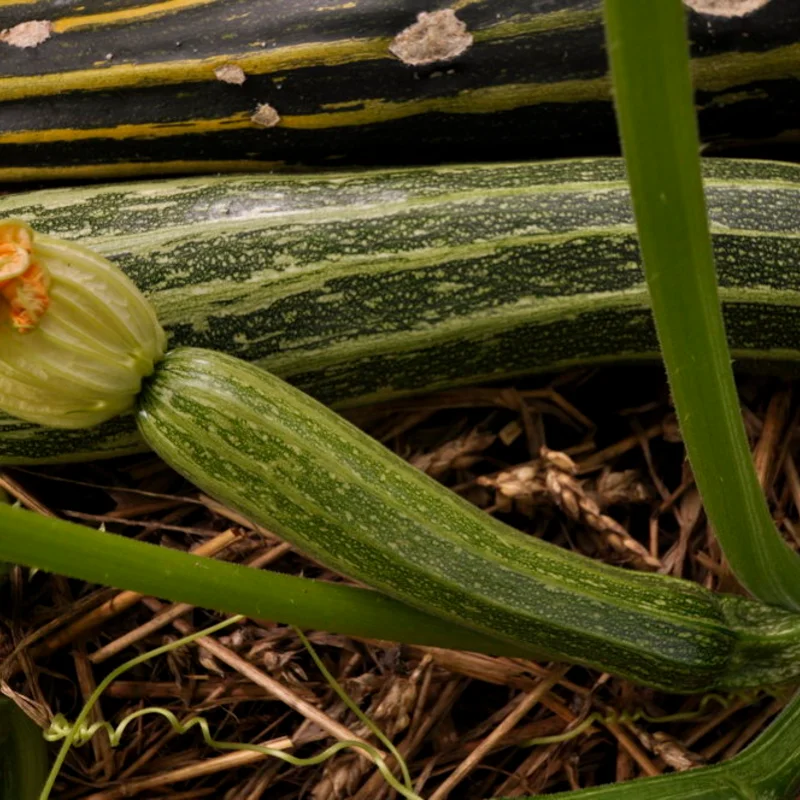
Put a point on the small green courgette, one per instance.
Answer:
(287, 462)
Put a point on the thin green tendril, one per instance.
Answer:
(79, 732)
(629, 717)
(343, 696)
(60, 728)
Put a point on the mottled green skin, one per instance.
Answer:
(363, 286)
(286, 461)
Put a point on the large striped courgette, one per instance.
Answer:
(362, 286)
(288, 462)
(129, 88)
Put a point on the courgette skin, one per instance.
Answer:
(288, 462)
(363, 286)
(125, 89)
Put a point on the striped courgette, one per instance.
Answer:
(288, 462)
(127, 88)
(362, 286)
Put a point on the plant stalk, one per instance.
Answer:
(649, 57)
(769, 769)
(77, 551)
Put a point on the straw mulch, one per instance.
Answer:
(591, 460)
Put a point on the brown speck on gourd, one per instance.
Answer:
(230, 73)
(265, 116)
(726, 8)
(436, 36)
(27, 34)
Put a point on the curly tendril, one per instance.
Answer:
(80, 732)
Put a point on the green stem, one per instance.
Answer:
(5, 567)
(769, 769)
(23, 754)
(80, 552)
(648, 51)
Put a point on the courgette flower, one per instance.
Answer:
(76, 335)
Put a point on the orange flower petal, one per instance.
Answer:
(27, 298)
(16, 233)
(14, 260)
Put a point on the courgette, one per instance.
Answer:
(288, 462)
(130, 89)
(362, 286)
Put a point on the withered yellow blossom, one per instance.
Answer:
(76, 335)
